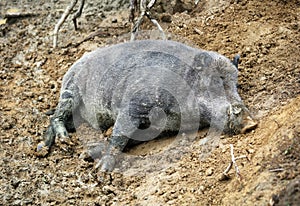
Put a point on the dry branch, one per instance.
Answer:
(145, 11)
(78, 13)
(233, 163)
(65, 15)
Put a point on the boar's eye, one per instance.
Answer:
(237, 110)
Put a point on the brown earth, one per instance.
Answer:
(265, 33)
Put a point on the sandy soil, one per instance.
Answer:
(265, 33)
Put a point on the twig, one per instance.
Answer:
(61, 21)
(158, 27)
(233, 162)
(237, 171)
(151, 3)
(102, 32)
(133, 5)
(65, 16)
(19, 14)
(228, 169)
(145, 11)
(78, 13)
(276, 170)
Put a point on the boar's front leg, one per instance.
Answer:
(61, 122)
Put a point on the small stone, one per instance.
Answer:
(209, 171)
(224, 177)
(3, 21)
(251, 151)
(114, 20)
(6, 126)
(40, 98)
(108, 189)
(29, 94)
(202, 188)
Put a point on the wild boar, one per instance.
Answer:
(143, 88)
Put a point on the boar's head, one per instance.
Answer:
(239, 119)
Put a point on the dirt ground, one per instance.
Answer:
(265, 33)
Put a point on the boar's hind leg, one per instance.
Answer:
(61, 122)
(117, 143)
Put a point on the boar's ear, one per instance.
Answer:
(236, 60)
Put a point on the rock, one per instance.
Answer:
(209, 171)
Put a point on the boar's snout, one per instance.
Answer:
(248, 124)
(240, 120)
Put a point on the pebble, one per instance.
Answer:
(209, 171)
(223, 177)
(108, 189)
(202, 188)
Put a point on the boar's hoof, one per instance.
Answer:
(107, 163)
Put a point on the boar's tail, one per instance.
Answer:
(236, 60)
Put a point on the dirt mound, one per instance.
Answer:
(266, 35)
